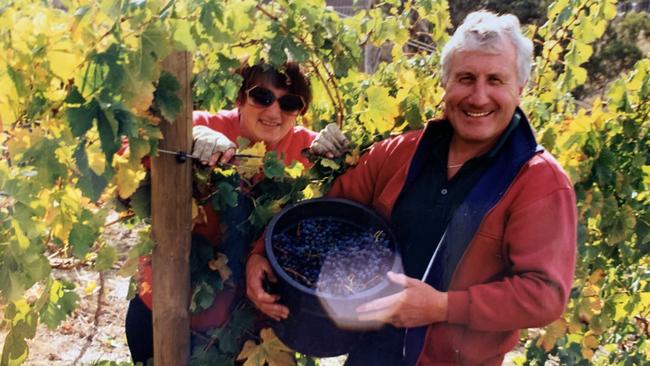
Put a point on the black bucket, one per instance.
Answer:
(321, 324)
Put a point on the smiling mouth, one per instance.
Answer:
(477, 114)
(269, 123)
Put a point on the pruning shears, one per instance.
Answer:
(182, 156)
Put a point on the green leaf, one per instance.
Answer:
(262, 214)
(42, 156)
(22, 323)
(166, 98)
(155, 45)
(74, 97)
(272, 166)
(81, 238)
(202, 297)
(226, 196)
(182, 34)
(297, 52)
(110, 141)
(62, 300)
(277, 54)
(106, 257)
(141, 201)
(90, 184)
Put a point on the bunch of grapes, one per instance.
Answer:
(333, 256)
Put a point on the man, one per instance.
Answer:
(485, 218)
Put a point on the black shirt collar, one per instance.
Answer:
(442, 139)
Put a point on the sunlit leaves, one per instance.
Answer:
(22, 321)
(128, 175)
(380, 110)
(551, 334)
(61, 301)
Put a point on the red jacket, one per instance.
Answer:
(226, 122)
(517, 270)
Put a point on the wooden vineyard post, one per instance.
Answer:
(171, 214)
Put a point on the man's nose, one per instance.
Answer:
(480, 93)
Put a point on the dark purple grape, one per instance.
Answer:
(333, 256)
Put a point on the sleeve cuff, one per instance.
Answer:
(458, 307)
(258, 246)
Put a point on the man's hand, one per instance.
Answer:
(257, 268)
(211, 146)
(418, 304)
(330, 142)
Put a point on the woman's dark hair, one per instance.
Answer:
(289, 77)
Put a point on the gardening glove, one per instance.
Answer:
(211, 146)
(330, 142)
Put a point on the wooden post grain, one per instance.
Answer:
(171, 215)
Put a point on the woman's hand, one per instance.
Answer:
(211, 146)
(258, 268)
(330, 142)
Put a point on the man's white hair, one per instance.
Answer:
(484, 31)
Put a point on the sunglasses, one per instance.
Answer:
(263, 97)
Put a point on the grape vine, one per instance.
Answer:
(79, 76)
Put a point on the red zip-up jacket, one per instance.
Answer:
(518, 268)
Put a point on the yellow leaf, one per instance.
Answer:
(551, 51)
(584, 51)
(353, 157)
(96, 159)
(295, 169)
(63, 62)
(380, 111)
(590, 342)
(587, 353)
(552, 333)
(248, 168)
(596, 276)
(258, 149)
(575, 325)
(312, 191)
(277, 353)
(8, 99)
(579, 74)
(271, 351)
(329, 163)
(590, 291)
(127, 176)
(90, 287)
(141, 98)
(249, 349)
(19, 235)
(220, 264)
(609, 9)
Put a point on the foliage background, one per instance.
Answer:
(78, 76)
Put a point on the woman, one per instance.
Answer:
(267, 106)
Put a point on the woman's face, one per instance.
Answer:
(268, 114)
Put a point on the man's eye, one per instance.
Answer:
(465, 79)
(495, 81)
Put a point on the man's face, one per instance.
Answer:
(481, 95)
(269, 124)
